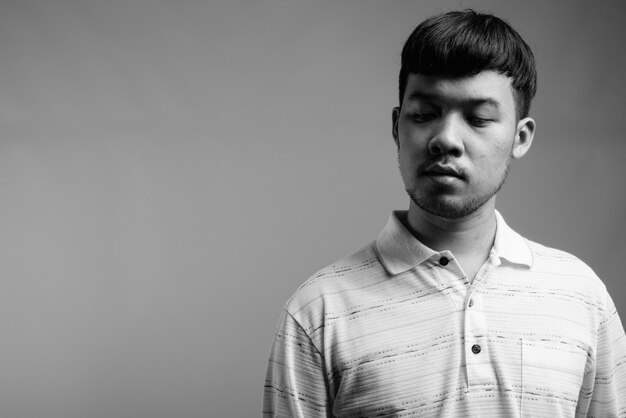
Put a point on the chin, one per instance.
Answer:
(448, 211)
(448, 208)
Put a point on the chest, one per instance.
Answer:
(436, 341)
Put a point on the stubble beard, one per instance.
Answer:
(445, 208)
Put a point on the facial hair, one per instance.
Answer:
(455, 210)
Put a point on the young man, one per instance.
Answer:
(449, 312)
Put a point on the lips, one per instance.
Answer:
(437, 170)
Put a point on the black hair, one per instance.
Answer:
(464, 43)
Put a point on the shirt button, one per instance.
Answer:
(444, 261)
(475, 349)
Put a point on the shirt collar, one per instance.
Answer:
(400, 251)
(510, 245)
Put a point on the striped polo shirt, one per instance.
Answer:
(398, 330)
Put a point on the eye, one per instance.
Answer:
(422, 117)
(480, 122)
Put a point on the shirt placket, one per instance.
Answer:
(479, 364)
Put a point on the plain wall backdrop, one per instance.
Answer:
(171, 171)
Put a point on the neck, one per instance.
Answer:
(472, 235)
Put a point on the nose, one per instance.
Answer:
(446, 137)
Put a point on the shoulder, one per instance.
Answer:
(566, 270)
(324, 289)
(554, 259)
(346, 273)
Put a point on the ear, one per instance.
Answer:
(523, 137)
(395, 117)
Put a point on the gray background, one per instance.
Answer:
(171, 171)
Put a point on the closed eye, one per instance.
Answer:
(422, 117)
(480, 122)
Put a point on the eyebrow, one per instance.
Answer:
(474, 101)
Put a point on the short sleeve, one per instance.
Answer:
(295, 383)
(609, 387)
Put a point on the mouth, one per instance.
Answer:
(443, 171)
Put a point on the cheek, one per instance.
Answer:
(411, 135)
(505, 150)
(498, 147)
(407, 163)
(405, 152)
(493, 162)
(411, 142)
(404, 162)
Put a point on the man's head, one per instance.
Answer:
(465, 86)
(465, 43)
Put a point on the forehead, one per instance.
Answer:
(487, 87)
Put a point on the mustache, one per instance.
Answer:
(439, 166)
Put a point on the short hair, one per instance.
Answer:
(465, 43)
